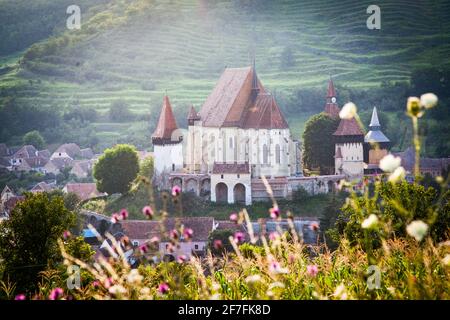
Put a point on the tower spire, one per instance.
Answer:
(255, 87)
(166, 125)
(331, 106)
(331, 91)
(374, 122)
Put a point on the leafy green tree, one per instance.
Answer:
(28, 239)
(116, 169)
(146, 168)
(71, 200)
(78, 248)
(318, 144)
(35, 139)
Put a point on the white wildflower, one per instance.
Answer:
(370, 223)
(446, 260)
(398, 175)
(276, 284)
(389, 163)
(117, 289)
(428, 100)
(348, 111)
(134, 277)
(340, 292)
(253, 278)
(417, 229)
(215, 296)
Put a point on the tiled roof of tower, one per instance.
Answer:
(192, 114)
(348, 127)
(235, 103)
(166, 123)
(331, 91)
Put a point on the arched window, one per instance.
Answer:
(265, 154)
(277, 154)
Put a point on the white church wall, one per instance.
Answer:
(168, 158)
(352, 158)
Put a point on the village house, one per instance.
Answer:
(141, 231)
(72, 151)
(432, 166)
(84, 191)
(82, 168)
(8, 200)
(43, 187)
(28, 158)
(56, 165)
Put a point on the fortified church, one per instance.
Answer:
(240, 134)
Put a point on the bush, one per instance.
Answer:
(396, 205)
(300, 194)
(116, 169)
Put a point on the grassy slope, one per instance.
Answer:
(180, 47)
(192, 206)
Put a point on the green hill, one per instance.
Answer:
(137, 50)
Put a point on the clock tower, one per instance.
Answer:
(331, 106)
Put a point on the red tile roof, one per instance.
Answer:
(143, 229)
(233, 168)
(83, 190)
(193, 114)
(348, 127)
(240, 100)
(265, 114)
(166, 123)
(331, 91)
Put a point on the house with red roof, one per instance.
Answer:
(84, 191)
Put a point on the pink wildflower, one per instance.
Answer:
(56, 294)
(148, 212)
(176, 190)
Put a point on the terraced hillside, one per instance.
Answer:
(137, 50)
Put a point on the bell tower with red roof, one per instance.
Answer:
(349, 148)
(331, 106)
(167, 141)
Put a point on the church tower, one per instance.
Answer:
(167, 142)
(194, 142)
(349, 152)
(376, 143)
(331, 106)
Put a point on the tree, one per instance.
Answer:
(116, 169)
(120, 112)
(146, 168)
(318, 145)
(28, 239)
(35, 139)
